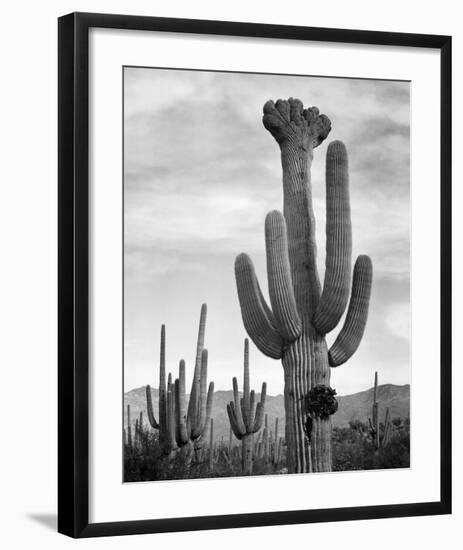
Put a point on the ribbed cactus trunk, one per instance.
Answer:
(301, 314)
(246, 454)
(305, 361)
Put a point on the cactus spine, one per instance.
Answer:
(245, 417)
(293, 329)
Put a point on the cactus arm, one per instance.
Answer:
(268, 312)
(260, 409)
(376, 426)
(244, 413)
(149, 406)
(199, 421)
(259, 419)
(251, 416)
(233, 424)
(387, 422)
(246, 385)
(335, 295)
(129, 427)
(351, 333)
(202, 437)
(279, 277)
(210, 400)
(162, 382)
(195, 385)
(180, 407)
(171, 415)
(258, 320)
(237, 406)
(211, 444)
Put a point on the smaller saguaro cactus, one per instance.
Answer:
(275, 444)
(230, 441)
(387, 429)
(256, 443)
(192, 423)
(211, 444)
(137, 434)
(277, 452)
(129, 428)
(245, 416)
(265, 440)
(166, 423)
(374, 420)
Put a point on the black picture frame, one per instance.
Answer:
(73, 286)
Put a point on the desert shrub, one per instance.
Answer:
(353, 448)
(145, 461)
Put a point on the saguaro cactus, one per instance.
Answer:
(245, 417)
(374, 419)
(166, 424)
(301, 313)
(192, 424)
(387, 429)
(374, 423)
(129, 428)
(211, 445)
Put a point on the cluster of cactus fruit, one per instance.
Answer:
(294, 327)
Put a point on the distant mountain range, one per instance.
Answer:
(356, 406)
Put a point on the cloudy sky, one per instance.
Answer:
(200, 174)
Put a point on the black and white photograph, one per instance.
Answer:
(266, 269)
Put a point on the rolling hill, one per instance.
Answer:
(356, 406)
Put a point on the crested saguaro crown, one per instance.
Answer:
(293, 329)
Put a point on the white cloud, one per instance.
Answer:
(201, 174)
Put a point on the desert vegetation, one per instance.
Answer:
(179, 443)
(353, 449)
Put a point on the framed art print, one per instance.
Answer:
(254, 275)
